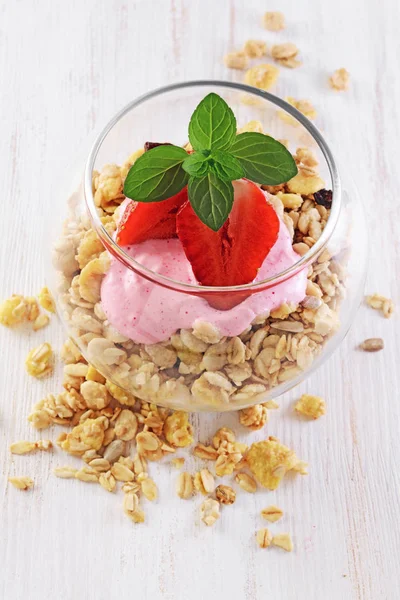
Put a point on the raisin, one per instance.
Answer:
(151, 145)
(323, 198)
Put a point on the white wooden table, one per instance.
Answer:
(65, 68)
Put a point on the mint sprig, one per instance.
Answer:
(219, 157)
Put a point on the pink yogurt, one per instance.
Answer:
(148, 313)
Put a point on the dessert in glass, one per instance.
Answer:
(214, 265)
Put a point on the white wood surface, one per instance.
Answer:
(65, 68)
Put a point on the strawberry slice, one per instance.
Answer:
(150, 220)
(232, 255)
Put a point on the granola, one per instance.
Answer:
(381, 303)
(272, 513)
(274, 21)
(311, 406)
(21, 483)
(269, 461)
(339, 80)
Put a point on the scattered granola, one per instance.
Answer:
(262, 76)
(209, 511)
(340, 80)
(286, 55)
(272, 513)
(284, 541)
(254, 417)
(255, 48)
(311, 406)
(274, 21)
(178, 462)
(24, 447)
(378, 302)
(264, 538)
(21, 483)
(46, 300)
(236, 60)
(65, 472)
(40, 361)
(225, 494)
(304, 106)
(40, 322)
(149, 489)
(269, 461)
(184, 485)
(177, 429)
(17, 310)
(204, 482)
(372, 345)
(131, 507)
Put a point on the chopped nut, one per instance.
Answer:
(339, 80)
(40, 360)
(209, 511)
(107, 481)
(178, 462)
(184, 485)
(149, 489)
(225, 494)
(272, 513)
(236, 60)
(274, 21)
(311, 406)
(283, 540)
(372, 344)
(205, 452)
(262, 76)
(46, 300)
(378, 302)
(177, 430)
(22, 447)
(264, 538)
(246, 482)
(204, 482)
(21, 483)
(65, 472)
(253, 417)
(269, 461)
(255, 49)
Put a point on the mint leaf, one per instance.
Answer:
(226, 166)
(196, 165)
(264, 160)
(157, 174)
(213, 125)
(211, 199)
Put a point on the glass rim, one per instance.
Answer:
(117, 251)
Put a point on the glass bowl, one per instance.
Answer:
(195, 367)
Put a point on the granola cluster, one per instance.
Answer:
(19, 310)
(199, 366)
